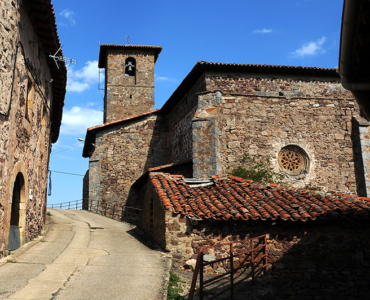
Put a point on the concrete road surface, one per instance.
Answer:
(85, 256)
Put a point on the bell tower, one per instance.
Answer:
(129, 79)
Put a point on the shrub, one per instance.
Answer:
(257, 168)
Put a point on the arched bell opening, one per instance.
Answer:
(130, 66)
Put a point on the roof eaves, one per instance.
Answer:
(51, 43)
(104, 47)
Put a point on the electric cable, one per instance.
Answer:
(74, 146)
(66, 173)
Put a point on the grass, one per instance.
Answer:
(35, 237)
(174, 287)
(49, 214)
(312, 188)
(12, 261)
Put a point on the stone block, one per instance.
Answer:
(197, 124)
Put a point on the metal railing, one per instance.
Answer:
(256, 253)
(119, 212)
(75, 204)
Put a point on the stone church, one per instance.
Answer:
(301, 117)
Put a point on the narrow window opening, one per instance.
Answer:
(130, 96)
(44, 118)
(29, 101)
(151, 217)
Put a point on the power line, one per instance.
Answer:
(75, 145)
(66, 173)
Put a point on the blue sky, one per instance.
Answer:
(286, 32)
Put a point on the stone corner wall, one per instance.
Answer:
(206, 136)
(179, 124)
(24, 123)
(122, 154)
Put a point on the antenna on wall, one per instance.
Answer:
(62, 58)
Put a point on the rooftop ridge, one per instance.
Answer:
(123, 119)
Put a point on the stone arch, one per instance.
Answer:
(18, 183)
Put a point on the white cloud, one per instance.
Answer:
(75, 86)
(82, 79)
(77, 119)
(163, 78)
(69, 15)
(89, 73)
(264, 30)
(160, 78)
(65, 157)
(311, 48)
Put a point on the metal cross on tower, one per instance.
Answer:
(128, 39)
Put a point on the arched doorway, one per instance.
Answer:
(14, 241)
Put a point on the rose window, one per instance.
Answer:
(293, 160)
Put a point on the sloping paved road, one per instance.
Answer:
(85, 256)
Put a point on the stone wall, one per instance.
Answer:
(128, 95)
(152, 218)
(306, 260)
(25, 132)
(263, 115)
(122, 154)
(179, 122)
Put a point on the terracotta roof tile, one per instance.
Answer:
(233, 198)
(123, 119)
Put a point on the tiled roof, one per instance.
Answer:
(233, 198)
(105, 47)
(273, 68)
(204, 66)
(90, 134)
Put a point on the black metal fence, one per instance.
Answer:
(75, 204)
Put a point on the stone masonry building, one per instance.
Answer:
(301, 117)
(32, 90)
(172, 162)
